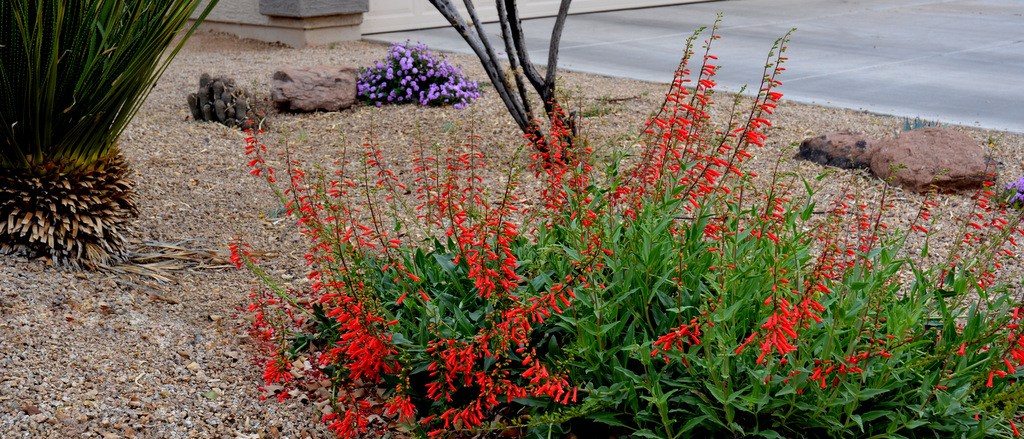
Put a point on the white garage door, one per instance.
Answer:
(395, 15)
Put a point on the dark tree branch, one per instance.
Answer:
(512, 51)
(556, 38)
(519, 62)
(545, 86)
(447, 9)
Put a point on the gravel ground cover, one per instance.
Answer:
(159, 348)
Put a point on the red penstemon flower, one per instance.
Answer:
(471, 373)
(679, 338)
(276, 371)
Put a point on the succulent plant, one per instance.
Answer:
(918, 123)
(219, 100)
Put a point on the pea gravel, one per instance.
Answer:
(160, 349)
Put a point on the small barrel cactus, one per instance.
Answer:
(218, 100)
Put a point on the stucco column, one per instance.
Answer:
(296, 23)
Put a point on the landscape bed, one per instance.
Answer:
(129, 355)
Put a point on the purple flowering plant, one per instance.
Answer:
(1015, 193)
(411, 73)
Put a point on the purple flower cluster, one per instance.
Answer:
(1016, 192)
(412, 74)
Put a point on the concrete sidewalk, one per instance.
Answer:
(954, 61)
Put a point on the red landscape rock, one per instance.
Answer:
(841, 149)
(949, 159)
(325, 87)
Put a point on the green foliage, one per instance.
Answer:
(868, 364)
(672, 295)
(73, 73)
(602, 107)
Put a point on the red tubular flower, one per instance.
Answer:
(277, 371)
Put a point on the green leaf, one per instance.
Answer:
(715, 392)
(530, 402)
(462, 322)
(857, 420)
(865, 394)
(694, 422)
(788, 390)
(607, 418)
(916, 423)
(770, 434)
(400, 339)
(211, 395)
(553, 348)
(734, 395)
(647, 434)
(807, 212)
(86, 67)
(953, 408)
(872, 415)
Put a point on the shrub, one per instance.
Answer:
(412, 74)
(670, 295)
(74, 73)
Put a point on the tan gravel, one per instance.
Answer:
(95, 354)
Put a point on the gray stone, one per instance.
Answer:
(948, 159)
(325, 87)
(842, 149)
(312, 8)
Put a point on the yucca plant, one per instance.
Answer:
(73, 73)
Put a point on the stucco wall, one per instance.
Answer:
(295, 24)
(235, 11)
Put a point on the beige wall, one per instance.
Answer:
(243, 18)
(394, 15)
(235, 11)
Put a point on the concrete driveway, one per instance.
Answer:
(954, 61)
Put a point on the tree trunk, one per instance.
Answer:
(511, 84)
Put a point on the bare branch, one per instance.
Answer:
(556, 39)
(485, 54)
(519, 62)
(515, 25)
(508, 30)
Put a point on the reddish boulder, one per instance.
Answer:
(949, 159)
(328, 88)
(842, 149)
